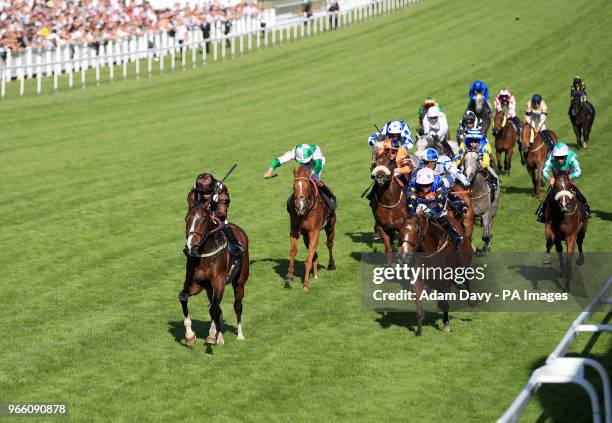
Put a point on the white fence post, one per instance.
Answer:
(38, 74)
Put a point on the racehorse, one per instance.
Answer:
(480, 196)
(208, 265)
(480, 109)
(506, 136)
(388, 202)
(582, 115)
(309, 213)
(565, 220)
(424, 242)
(534, 154)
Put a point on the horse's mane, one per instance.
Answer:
(302, 172)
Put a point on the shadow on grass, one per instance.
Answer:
(603, 215)
(200, 327)
(408, 320)
(282, 265)
(362, 237)
(568, 402)
(537, 274)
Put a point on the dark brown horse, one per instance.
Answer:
(505, 139)
(534, 154)
(582, 115)
(309, 214)
(388, 202)
(565, 221)
(423, 242)
(208, 264)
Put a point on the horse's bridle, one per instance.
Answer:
(205, 234)
(565, 193)
(310, 182)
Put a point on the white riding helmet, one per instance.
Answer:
(394, 127)
(560, 150)
(433, 112)
(425, 176)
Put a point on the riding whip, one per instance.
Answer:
(229, 172)
(367, 189)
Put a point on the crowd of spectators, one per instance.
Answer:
(47, 24)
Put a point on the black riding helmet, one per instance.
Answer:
(205, 183)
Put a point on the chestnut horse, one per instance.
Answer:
(582, 115)
(388, 202)
(208, 264)
(505, 139)
(534, 154)
(423, 242)
(565, 220)
(309, 214)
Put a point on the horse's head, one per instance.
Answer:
(411, 236)
(303, 184)
(499, 121)
(479, 101)
(198, 223)
(526, 136)
(563, 193)
(471, 164)
(381, 168)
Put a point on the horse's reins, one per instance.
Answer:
(387, 206)
(206, 235)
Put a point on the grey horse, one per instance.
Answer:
(482, 203)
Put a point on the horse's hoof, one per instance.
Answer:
(240, 337)
(305, 289)
(220, 340)
(210, 340)
(547, 259)
(189, 341)
(316, 277)
(580, 260)
(446, 328)
(585, 146)
(288, 281)
(331, 267)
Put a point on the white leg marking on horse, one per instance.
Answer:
(213, 329)
(240, 335)
(188, 332)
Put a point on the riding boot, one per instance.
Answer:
(451, 231)
(235, 250)
(517, 125)
(328, 196)
(542, 208)
(583, 201)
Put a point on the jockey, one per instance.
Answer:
(479, 87)
(215, 195)
(435, 124)
(504, 98)
(536, 113)
(426, 191)
(427, 103)
(578, 86)
(562, 161)
(312, 158)
(469, 121)
(396, 130)
(448, 172)
(475, 141)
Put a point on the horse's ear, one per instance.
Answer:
(294, 172)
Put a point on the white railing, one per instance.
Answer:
(560, 369)
(246, 37)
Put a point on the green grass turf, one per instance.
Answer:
(92, 200)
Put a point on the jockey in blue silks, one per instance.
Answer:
(480, 88)
(427, 192)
